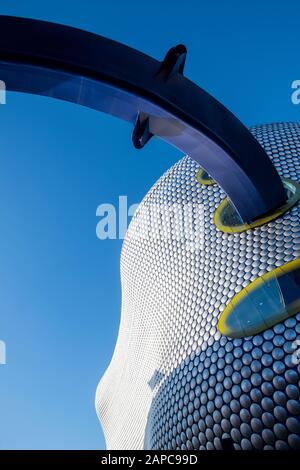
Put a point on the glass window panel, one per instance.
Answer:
(268, 300)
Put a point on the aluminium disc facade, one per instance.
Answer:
(174, 381)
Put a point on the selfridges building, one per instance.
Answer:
(208, 350)
(175, 381)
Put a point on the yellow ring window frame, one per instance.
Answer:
(227, 219)
(204, 178)
(270, 299)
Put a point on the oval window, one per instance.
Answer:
(268, 300)
(204, 178)
(228, 220)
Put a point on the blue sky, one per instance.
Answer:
(59, 284)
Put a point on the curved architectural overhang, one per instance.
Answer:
(67, 63)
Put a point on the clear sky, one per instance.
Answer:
(59, 285)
